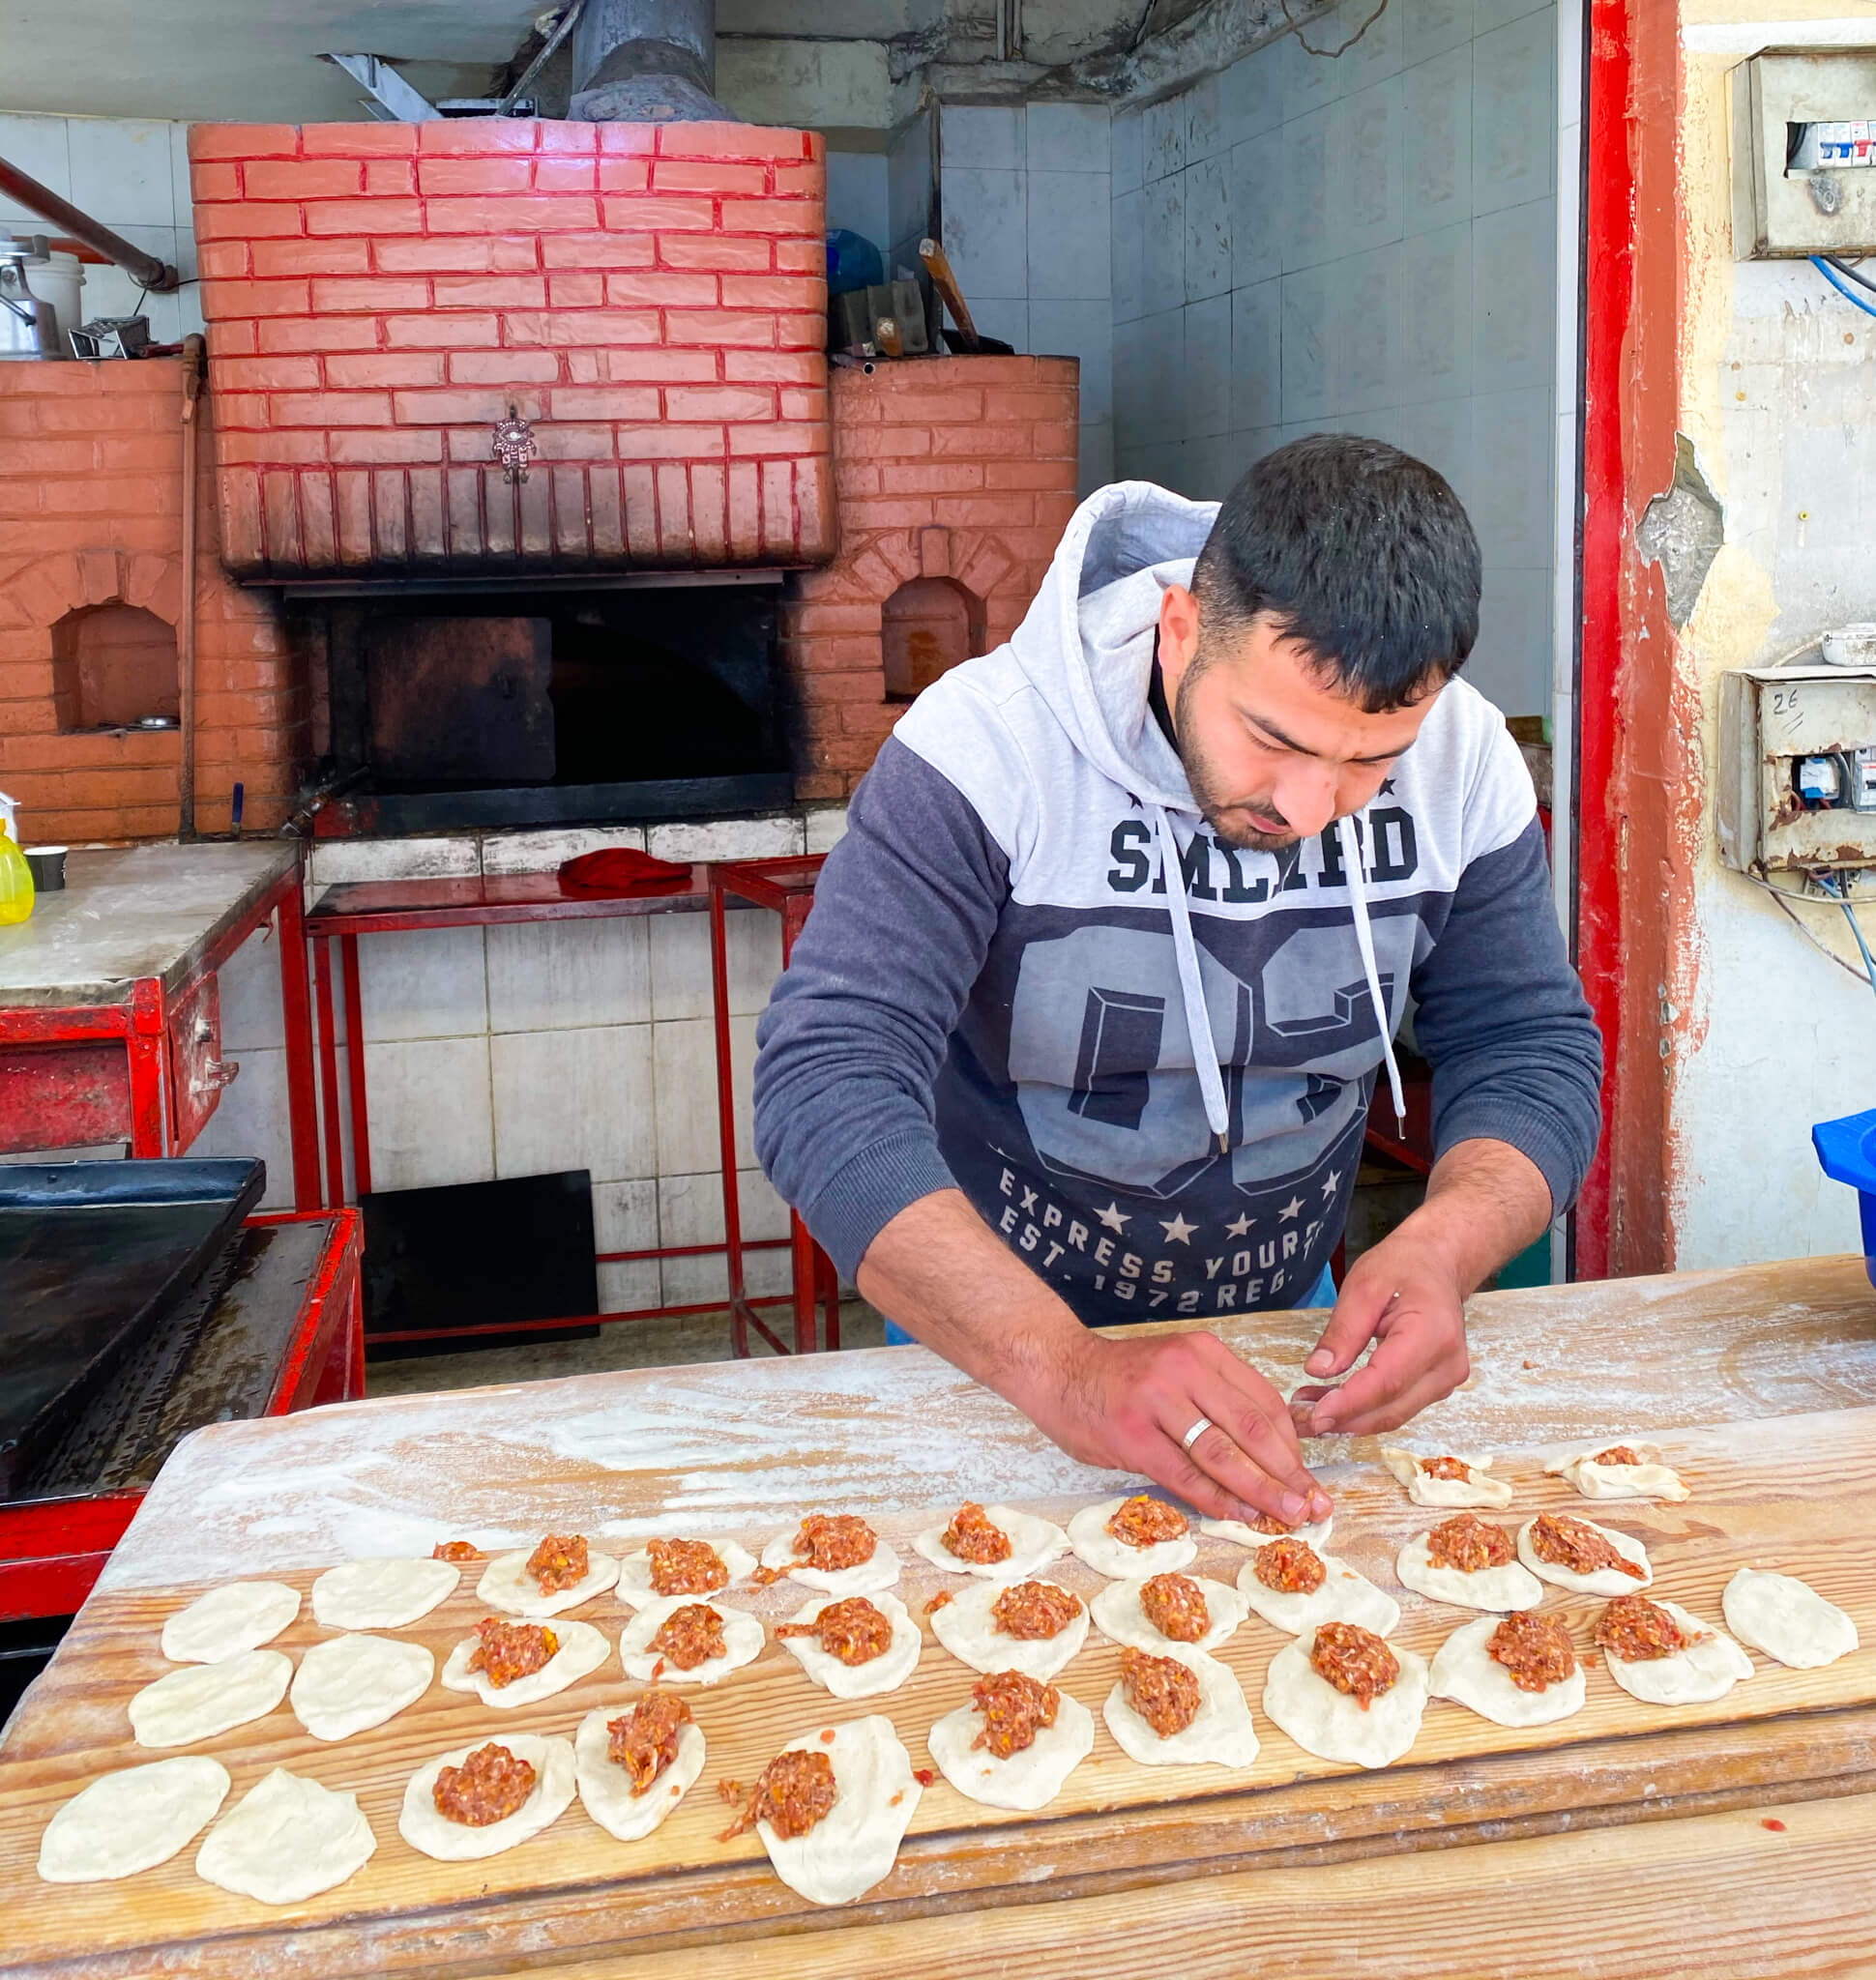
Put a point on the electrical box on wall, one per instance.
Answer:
(1804, 153)
(1797, 768)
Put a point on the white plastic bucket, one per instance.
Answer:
(60, 282)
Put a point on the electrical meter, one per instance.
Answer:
(1797, 768)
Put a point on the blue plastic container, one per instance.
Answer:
(1846, 1150)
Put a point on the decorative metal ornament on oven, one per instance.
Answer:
(513, 444)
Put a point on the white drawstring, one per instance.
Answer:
(1198, 1020)
(1364, 942)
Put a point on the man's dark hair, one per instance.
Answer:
(1361, 554)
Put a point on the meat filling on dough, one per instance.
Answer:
(1163, 1691)
(974, 1536)
(561, 1561)
(1565, 1542)
(1468, 1544)
(1536, 1650)
(690, 1635)
(1146, 1521)
(487, 1788)
(1617, 1454)
(507, 1650)
(796, 1791)
(1354, 1660)
(1034, 1612)
(686, 1567)
(1638, 1631)
(1014, 1708)
(853, 1630)
(1289, 1567)
(456, 1550)
(835, 1541)
(1455, 1468)
(1175, 1605)
(644, 1738)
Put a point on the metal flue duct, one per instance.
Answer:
(646, 62)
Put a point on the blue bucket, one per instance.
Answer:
(1846, 1151)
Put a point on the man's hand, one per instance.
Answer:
(1485, 1202)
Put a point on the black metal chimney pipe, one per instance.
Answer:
(647, 62)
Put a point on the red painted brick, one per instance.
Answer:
(577, 291)
(337, 295)
(775, 292)
(465, 408)
(626, 174)
(500, 172)
(515, 255)
(733, 142)
(208, 181)
(661, 288)
(719, 327)
(649, 213)
(802, 182)
(1006, 404)
(265, 374)
(455, 332)
(727, 403)
(359, 140)
(740, 253)
(935, 478)
(334, 409)
(373, 217)
(652, 364)
(301, 178)
(783, 368)
(560, 441)
(570, 328)
(979, 442)
(459, 255)
(708, 175)
(313, 333)
(384, 370)
(387, 178)
(627, 139)
(608, 402)
(246, 219)
(382, 445)
(774, 217)
(225, 258)
(564, 135)
(504, 367)
(801, 257)
(492, 215)
(232, 409)
(244, 141)
(589, 251)
(336, 256)
(223, 299)
(802, 333)
(1063, 440)
(490, 292)
(777, 438)
(566, 175)
(799, 403)
(667, 442)
(477, 137)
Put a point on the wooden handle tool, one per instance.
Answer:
(938, 266)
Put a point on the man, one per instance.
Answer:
(1085, 1023)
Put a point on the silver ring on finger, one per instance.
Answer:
(1197, 1431)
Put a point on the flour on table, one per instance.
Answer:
(1027, 1780)
(1605, 1580)
(880, 1570)
(1121, 1619)
(1511, 1587)
(1477, 1488)
(635, 1588)
(582, 1650)
(1242, 1533)
(883, 1674)
(381, 1594)
(201, 1700)
(1344, 1596)
(286, 1840)
(228, 1621)
(1651, 1478)
(1697, 1675)
(1032, 1544)
(1786, 1618)
(131, 1820)
(856, 1843)
(347, 1683)
(426, 1827)
(605, 1787)
(1221, 1735)
(743, 1639)
(1330, 1723)
(967, 1629)
(506, 1584)
(1466, 1671)
(1118, 1561)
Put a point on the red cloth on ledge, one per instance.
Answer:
(619, 872)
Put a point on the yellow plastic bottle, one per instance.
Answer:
(15, 876)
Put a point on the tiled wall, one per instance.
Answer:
(1025, 196)
(1365, 244)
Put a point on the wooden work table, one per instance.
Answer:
(1634, 1876)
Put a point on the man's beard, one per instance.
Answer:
(1215, 806)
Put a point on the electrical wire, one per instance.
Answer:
(1827, 882)
(1850, 296)
(1784, 897)
(1848, 271)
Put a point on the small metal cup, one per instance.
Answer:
(48, 868)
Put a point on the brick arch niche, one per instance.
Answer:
(113, 666)
(927, 628)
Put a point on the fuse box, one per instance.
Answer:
(1804, 153)
(1797, 768)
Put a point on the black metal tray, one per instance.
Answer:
(92, 1256)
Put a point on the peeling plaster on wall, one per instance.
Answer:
(1682, 530)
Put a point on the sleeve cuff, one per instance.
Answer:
(1531, 1131)
(864, 1196)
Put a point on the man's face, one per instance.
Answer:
(1273, 749)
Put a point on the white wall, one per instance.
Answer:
(1363, 245)
(856, 196)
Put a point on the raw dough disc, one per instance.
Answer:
(506, 1585)
(1346, 1596)
(1477, 1488)
(381, 1594)
(1330, 1724)
(884, 1674)
(1032, 1544)
(201, 1700)
(582, 1650)
(1786, 1618)
(855, 1844)
(605, 1787)
(227, 1620)
(346, 1683)
(1648, 1479)
(880, 1571)
(1027, 1780)
(1094, 1545)
(964, 1627)
(1465, 1671)
(1511, 1587)
(1121, 1619)
(1605, 1580)
(1312, 1532)
(286, 1840)
(1695, 1676)
(1221, 1735)
(635, 1573)
(743, 1639)
(425, 1826)
(130, 1820)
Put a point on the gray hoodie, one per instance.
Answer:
(997, 989)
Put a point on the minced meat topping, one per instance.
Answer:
(853, 1630)
(943, 1599)
(974, 1536)
(489, 1786)
(1574, 1544)
(690, 1635)
(1145, 1522)
(1468, 1544)
(1535, 1649)
(1163, 1691)
(1175, 1605)
(1014, 1708)
(1289, 1567)
(1446, 1467)
(686, 1567)
(1267, 1522)
(1034, 1610)
(560, 1563)
(795, 1792)
(456, 1550)
(1354, 1660)
(1617, 1454)
(507, 1650)
(832, 1541)
(644, 1738)
(1638, 1631)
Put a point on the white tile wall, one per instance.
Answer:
(573, 1099)
(856, 196)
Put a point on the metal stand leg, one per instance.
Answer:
(296, 1018)
(739, 1299)
(355, 1066)
(322, 982)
